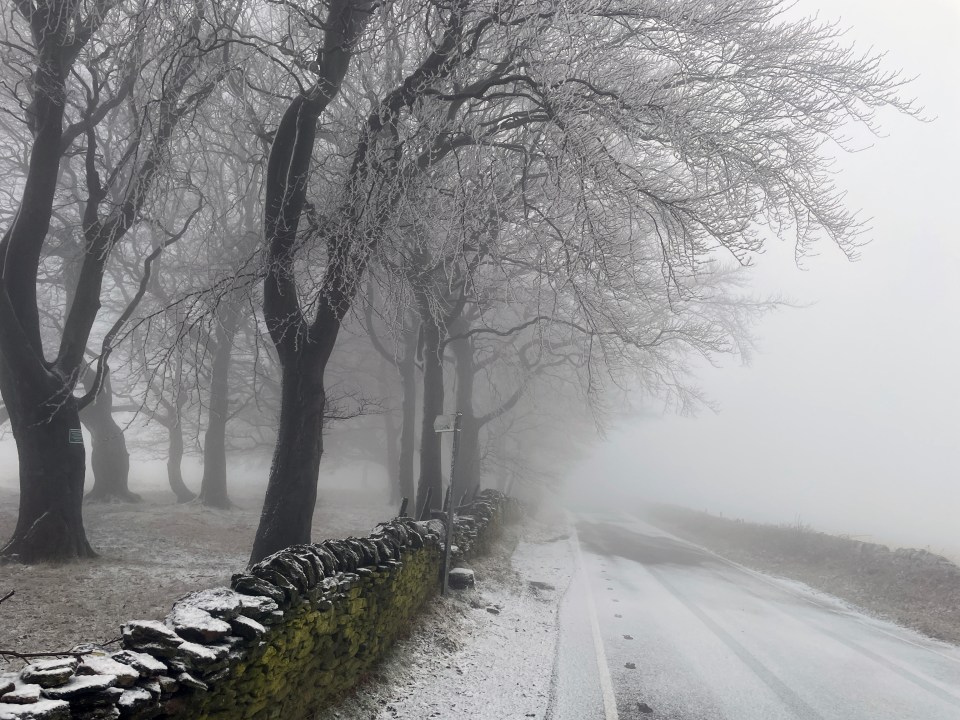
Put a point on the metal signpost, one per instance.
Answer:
(449, 423)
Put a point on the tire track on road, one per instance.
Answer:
(787, 695)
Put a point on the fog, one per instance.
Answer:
(846, 418)
(842, 419)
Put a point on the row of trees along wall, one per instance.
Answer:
(554, 194)
(296, 631)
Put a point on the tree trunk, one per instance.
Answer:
(304, 348)
(108, 456)
(392, 455)
(175, 462)
(391, 438)
(287, 516)
(39, 399)
(408, 427)
(52, 468)
(431, 472)
(468, 455)
(213, 486)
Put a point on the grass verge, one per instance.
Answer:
(914, 588)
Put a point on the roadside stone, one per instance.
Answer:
(94, 703)
(630, 666)
(105, 665)
(199, 656)
(188, 680)
(151, 636)
(108, 712)
(23, 695)
(79, 686)
(167, 685)
(42, 710)
(49, 673)
(256, 606)
(247, 628)
(192, 623)
(258, 587)
(221, 602)
(461, 578)
(143, 663)
(133, 700)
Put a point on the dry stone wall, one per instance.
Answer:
(294, 632)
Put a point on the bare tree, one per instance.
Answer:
(87, 60)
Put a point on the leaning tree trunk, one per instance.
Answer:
(304, 348)
(408, 407)
(391, 438)
(287, 515)
(46, 427)
(175, 464)
(392, 455)
(468, 455)
(213, 486)
(108, 456)
(431, 471)
(43, 412)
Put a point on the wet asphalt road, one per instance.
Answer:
(710, 640)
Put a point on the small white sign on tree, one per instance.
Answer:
(445, 423)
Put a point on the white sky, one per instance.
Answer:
(849, 417)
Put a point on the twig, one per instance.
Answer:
(7, 596)
(27, 656)
(65, 653)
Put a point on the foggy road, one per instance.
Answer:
(708, 639)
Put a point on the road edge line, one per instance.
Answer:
(603, 669)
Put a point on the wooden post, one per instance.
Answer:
(403, 508)
(425, 510)
(449, 504)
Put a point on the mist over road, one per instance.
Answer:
(708, 639)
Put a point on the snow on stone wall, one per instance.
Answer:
(299, 629)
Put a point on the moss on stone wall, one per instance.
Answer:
(324, 646)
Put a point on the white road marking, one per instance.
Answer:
(606, 683)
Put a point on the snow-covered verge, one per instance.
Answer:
(485, 653)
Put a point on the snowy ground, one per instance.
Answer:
(463, 661)
(151, 553)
